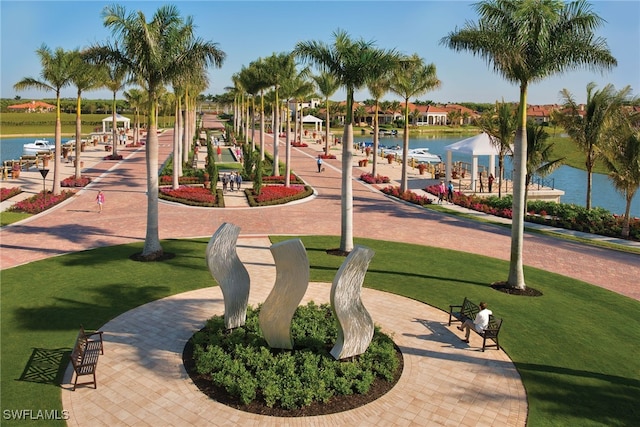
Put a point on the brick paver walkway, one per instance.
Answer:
(76, 225)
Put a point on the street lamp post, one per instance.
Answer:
(44, 173)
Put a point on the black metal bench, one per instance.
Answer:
(84, 357)
(468, 311)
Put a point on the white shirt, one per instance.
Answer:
(482, 319)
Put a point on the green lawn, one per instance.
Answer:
(575, 347)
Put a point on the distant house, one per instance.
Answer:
(33, 107)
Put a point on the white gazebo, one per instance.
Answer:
(119, 119)
(313, 119)
(479, 145)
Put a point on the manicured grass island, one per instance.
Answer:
(574, 347)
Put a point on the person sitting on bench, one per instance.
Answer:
(480, 323)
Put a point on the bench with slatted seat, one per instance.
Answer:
(84, 357)
(468, 311)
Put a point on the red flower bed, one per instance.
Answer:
(407, 196)
(279, 179)
(40, 202)
(132, 145)
(378, 179)
(274, 192)
(83, 181)
(7, 193)
(197, 195)
(112, 157)
(327, 156)
(299, 144)
(182, 180)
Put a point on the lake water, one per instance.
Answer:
(572, 181)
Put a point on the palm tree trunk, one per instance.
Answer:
(276, 136)
(58, 149)
(404, 183)
(176, 144)
(287, 155)
(376, 127)
(78, 172)
(626, 220)
(114, 127)
(346, 198)
(152, 249)
(261, 125)
(516, 272)
(327, 128)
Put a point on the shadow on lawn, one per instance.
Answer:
(46, 366)
(108, 301)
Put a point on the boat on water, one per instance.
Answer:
(38, 146)
(420, 155)
(386, 132)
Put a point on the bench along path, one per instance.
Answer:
(143, 381)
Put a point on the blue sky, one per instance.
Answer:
(247, 30)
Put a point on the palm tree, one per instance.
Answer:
(412, 78)
(353, 64)
(527, 41)
(278, 67)
(539, 155)
(114, 80)
(56, 74)
(327, 85)
(588, 131)
(85, 76)
(622, 157)
(148, 50)
(501, 126)
(295, 87)
(136, 99)
(377, 89)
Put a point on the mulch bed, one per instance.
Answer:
(508, 289)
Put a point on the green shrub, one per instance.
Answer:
(241, 362)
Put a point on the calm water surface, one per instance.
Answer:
(572, 181)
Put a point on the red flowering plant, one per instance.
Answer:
(182, 180)
(279, 179)
(407, 196)
(40, 202)
(327, 156)
(378, 179)
(277, 194)
(7, 193)
(299, 144)
(71, 181)
(195, 196)
(112, 157)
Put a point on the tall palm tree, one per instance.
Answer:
(327, 85)
(353, 64)
(539, 155)
(278, 67)
(588, 131)
(149, 52)
(621, 156)
(295, 87)
(85, 76)
(377, 88)
(412, 78)
(114, 80)
(500, 125)
(527, 41)
(56, 74)
(136, 99)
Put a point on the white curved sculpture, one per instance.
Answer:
(355, 326)
(230, 273)
(292, 280)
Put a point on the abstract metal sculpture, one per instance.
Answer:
(230, 273)
(355, 326)
(292, 280)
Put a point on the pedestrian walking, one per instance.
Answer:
(232, 181)
(239, 180)
(441, 192)
(100, 200)
(319, 162)
(225, 182)
(219, 152)
(491, 178)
